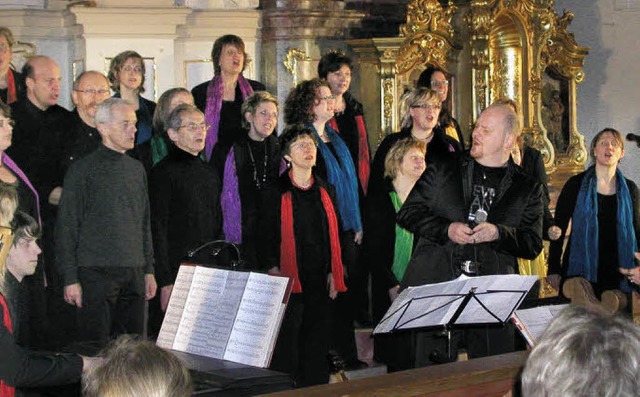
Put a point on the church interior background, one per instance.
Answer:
(568, 63)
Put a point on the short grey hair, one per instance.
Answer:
(174, 121)
(585, 353)
(104, 112)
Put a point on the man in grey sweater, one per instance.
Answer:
(103, 237)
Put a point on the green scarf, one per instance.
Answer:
(404, 243)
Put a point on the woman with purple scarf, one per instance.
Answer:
(251, 163)
(221, 98)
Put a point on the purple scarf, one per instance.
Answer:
(230, 201)
(215, 90)
(16, 170)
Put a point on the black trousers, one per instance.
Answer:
(112, 303)
(303, 342)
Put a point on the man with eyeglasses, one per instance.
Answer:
(474, 214)
(34, 135)
(77, 136)
(184, 192)
(103, 235)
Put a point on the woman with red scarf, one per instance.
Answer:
(11, 82)
(301, 240)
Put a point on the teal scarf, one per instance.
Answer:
(341, 173)
(404, 243)
(583, 258)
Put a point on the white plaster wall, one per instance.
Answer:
(610, 95)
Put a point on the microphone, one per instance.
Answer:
(634, 138)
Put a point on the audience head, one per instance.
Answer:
(228, 55)
(599, 148)
(22, 258)
(308, 101)
(422, 104)
(42, 79)
(494, 135)
(134, 368)
(299, 146)
(6, 126)
(260, 112)
(168, 101)
(584, 353)
(336, 69)
(186, 128)
(436, 79)
(6, 49)
(89, 89)
(406, 157)
(116, 121)
(127, 70)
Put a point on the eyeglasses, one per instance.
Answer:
(428, 106)
(304, 145)
(4, 48)
(7, 122)
(194, 127)
(129, 69)
(327, 98)
(439, 83)
(93, 92)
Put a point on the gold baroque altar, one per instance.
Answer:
(519, 49)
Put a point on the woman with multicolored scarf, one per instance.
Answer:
(300, 239)
(604, 209)
(11, 82)
(221, 98)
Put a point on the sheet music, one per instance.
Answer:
(175, 308)
(536, 320)
(210, 311)
(435, 304)
(254, 328)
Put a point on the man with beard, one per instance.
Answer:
(76, 136)
(480, 207)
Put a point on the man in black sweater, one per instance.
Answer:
(103, 235)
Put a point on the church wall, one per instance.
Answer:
(609, 95)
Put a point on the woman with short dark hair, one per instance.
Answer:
(221, 98)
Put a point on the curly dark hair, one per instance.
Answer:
(301, 98)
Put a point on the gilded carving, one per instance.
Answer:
(293, 56)
(387, 107)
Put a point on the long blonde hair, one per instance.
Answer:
(8, 207)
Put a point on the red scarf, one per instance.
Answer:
(6, 390)
(11, 88)
(363, 151)
(288, 258)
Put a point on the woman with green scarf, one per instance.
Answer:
(387, 246)
(604, 211)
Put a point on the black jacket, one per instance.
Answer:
(184, 195)
(442, 196)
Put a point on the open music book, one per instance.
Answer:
(533, 322)
(225, 314)
(463, 301)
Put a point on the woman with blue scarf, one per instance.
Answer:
(604, 211)
(312, 103)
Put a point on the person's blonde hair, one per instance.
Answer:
(134, 368)
(393, 159)
(410, 98)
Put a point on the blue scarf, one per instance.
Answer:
(583, 258)
(341, 173)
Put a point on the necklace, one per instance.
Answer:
(425, 139)
(306, 186)
(259, 182)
